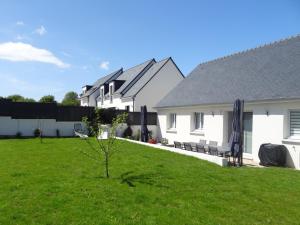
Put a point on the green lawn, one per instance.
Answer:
(53, 183)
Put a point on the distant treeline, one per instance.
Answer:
(71, 99)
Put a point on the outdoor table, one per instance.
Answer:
(222, 150)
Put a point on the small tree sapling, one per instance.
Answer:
(104, 148)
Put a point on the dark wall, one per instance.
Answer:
(33, 110)
(134, 118)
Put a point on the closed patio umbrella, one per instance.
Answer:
(144, 129)
(236, 138)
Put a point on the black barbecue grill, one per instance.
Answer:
(272, 155)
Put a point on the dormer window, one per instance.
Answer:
(86, 88)
(102, 95)
(111, 92)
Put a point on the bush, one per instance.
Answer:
(37, 133)
(18, 134)
(127, 132)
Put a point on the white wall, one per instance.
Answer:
(212, 130)
(84, 101)
(10, 127)
(118, 103)
(136, 129)
(92, 98)
(272, 128)
(157, 88)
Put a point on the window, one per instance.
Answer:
(198, 120)
(172, 121)
(111, 93)
(102, 96)
(295, 123)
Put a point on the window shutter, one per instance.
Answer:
(295, 123)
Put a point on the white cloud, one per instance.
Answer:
(20, 37)
(104, 65)
(41, 30)
(22, 52)
(20, 23)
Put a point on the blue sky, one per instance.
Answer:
(57, 46)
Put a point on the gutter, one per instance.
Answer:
(253, 102)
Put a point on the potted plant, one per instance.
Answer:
(151, 139)
(164, 141)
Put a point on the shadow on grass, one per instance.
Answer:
(132, 179)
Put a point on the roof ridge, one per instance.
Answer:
(167, 58)
(106, 75)
(141, 64)
(252, 49)
(139, 75)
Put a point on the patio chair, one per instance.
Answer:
(187, 146)
(177, 144)
(78, 131)
(213, 150)
(203, 142)
(213, 147)
(200, 148)
(213, 143)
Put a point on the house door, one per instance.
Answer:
(248, 117)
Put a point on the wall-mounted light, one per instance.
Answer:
(267, 112)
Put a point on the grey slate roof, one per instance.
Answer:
(140, 83)
(270, 72)
(101, 81)
(130, 74)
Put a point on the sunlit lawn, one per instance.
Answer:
(53, 183)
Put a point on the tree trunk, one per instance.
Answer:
(106, 165)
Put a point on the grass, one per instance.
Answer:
(53, 183)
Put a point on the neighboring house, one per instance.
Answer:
(267, 78)
(144, 84)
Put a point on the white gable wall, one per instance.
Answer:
(92, 98)
(157, 88)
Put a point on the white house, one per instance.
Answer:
(144, 84)
(267, 78)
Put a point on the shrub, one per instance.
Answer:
(127, 132)
(37, 133)
(18, 134)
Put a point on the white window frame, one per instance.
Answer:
(198, 125)
(294, 136)
(172, 121)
